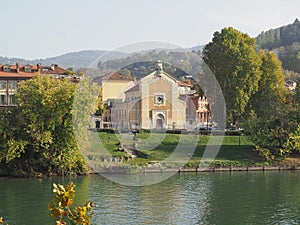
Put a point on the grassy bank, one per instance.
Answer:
(234, 151)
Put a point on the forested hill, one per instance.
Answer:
(282, 36)
(285, 42)
(139, 65)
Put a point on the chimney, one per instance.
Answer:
(18, 67)
(53, 66)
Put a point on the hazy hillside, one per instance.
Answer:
(285, 42)
(86, 58)
(139, 65)
(74, 59)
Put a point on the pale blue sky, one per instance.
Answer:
(44, 28)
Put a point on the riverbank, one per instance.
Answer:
(143, 170)
(218, 169)
(237, 153)
(234, 151)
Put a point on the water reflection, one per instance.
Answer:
(255, 198)
(205, 198)
(179, 200)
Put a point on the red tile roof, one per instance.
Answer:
(184, 83)
(18, 70)
(116, 76)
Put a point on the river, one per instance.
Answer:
(224, 198)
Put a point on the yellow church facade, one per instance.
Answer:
(153, 103)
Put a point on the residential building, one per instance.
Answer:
(11, 75)
(114, 86)
(197, 110)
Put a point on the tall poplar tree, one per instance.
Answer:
(231, 56)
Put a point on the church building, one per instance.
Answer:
(153, 103)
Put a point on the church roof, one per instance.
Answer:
(134, 88)
(113, 76)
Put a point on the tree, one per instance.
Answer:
(272, 110)
(271, 91)
(289, 55)
(100, 108)
(125, 72)
(293, 142)
(38, 135)
(297, 95)
(232, 58)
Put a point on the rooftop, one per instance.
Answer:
(185, 83)
(28, 71)
(115, 76)
(134, 88)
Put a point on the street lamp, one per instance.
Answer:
(134, 129)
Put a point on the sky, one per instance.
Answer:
(34, 29)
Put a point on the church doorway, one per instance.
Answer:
(160, 119)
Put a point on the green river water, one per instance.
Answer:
(225, 198)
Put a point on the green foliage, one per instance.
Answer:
(292, 143)
(274, 115)
(271, 92)
(285, 40)
(232, 58)
(61, 203)
(283, 36)
(297, 96)
(140, 65)
(37, 135)
(126, 72)
(265, 153)
(269, 125)
(87, 94)
(100, 107)
(291, 75)
(289, 55)
(253, 87)
(271, 129)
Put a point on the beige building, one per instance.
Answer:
(153, 103)
(157, 101)
(114, 85)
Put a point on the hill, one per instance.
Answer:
(285, 42)
(177, 63)
(78, 59)
(82, 59)
(282, 36)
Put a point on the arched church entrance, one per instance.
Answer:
(160, 120)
